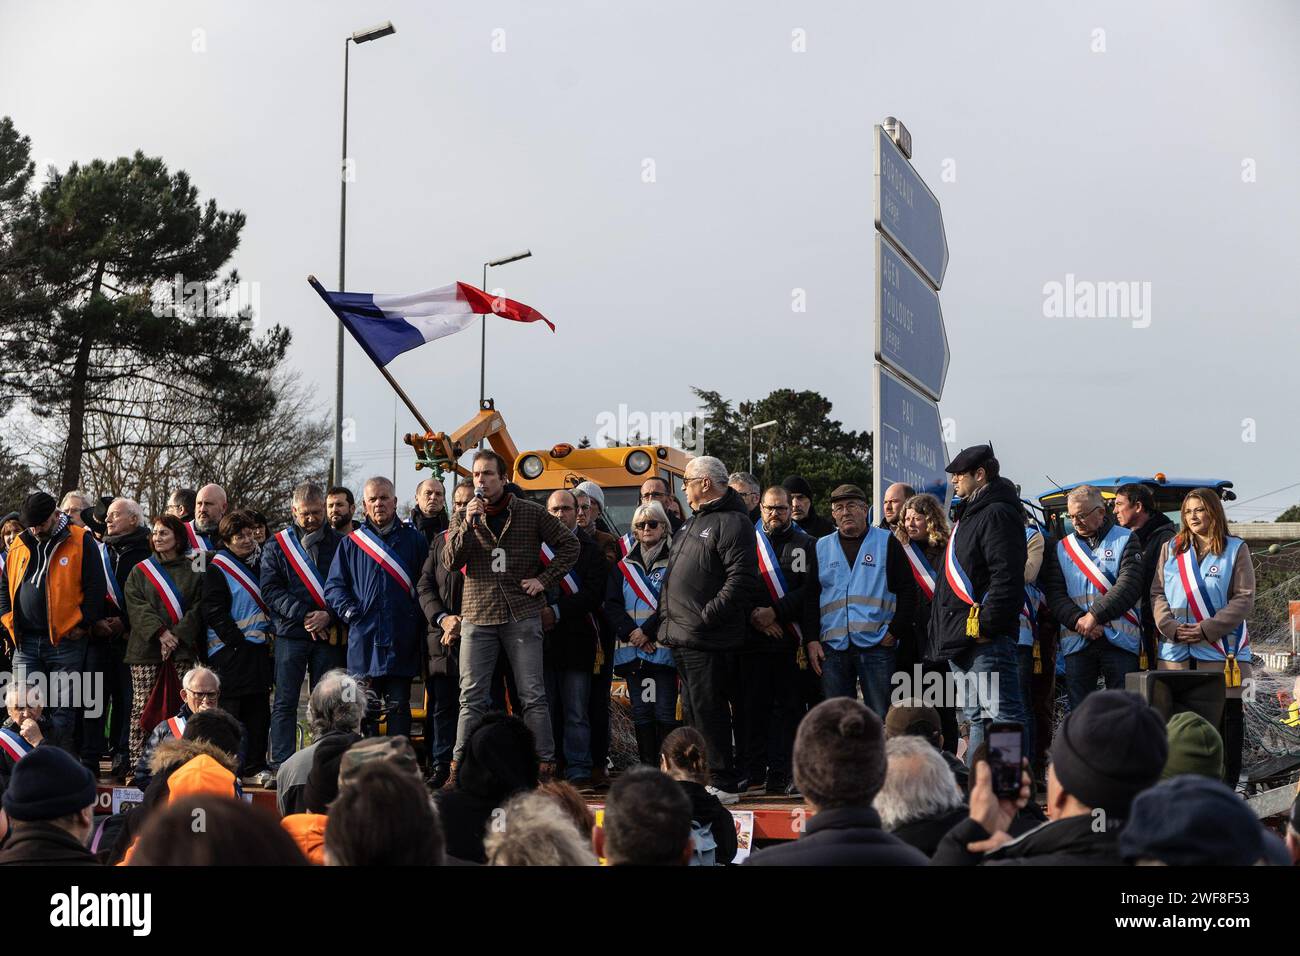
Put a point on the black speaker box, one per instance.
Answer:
(1171, 692)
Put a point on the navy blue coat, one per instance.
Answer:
(385, 625)
(282, 588)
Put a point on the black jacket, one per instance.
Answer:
(794, 549)
(44, 844)
(244, 667)
(927, 834)
(125, 553)
(283, 590)
(990, 548)
(571, 643)
(1125, 593)
(706, 809)
(706, 604)
(1069, 842)
(848, 836)
(439, 589)
(817, 526)
(1152, 536)
(429, 527)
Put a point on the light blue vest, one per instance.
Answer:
(856, 603)
(639, 612)
(1121, 632)
(250, 618)
(1033, 598)
(1216, 571)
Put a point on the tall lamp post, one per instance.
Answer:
(752, 429)
(361, 36)
(482, 352)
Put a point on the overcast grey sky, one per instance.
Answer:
(1131, 163)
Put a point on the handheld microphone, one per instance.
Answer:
(478, 518)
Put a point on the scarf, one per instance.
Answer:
(650, 553)
(492, 510)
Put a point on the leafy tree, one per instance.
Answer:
(17, 479)
(98, 243)
(1291, 514)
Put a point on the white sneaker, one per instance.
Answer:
(725, 797)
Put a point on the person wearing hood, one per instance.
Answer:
(1134, 508)
(801, 508)
(239, 629)
(124, 544)
(499, 760)
(979, 591)
(53, 592)
(1109, 749)
(1092, 580)
(703, 611)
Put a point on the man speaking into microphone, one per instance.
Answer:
(498, 541)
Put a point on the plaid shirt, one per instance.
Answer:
(495, 596)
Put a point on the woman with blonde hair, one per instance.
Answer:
(923, 531)
(1201, 595)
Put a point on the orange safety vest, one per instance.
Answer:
(63, 594)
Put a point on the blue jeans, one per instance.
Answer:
(294, 659)
(652, 689)
(35, 657)
(842, 671)
(989, 688)
(1099, 658)
(480, 646)
(569, 693)
(1025, 664)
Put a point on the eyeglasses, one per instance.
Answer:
(646, 525)
(1197, 512)
(1083, 514)
(775, 509)
(687, 481)
(653, 495)
(203, 694)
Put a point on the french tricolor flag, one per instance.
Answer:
(388, 325)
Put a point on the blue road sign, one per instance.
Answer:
(907, 212)
(910, 337)
(909, 445)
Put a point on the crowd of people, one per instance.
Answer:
(764, 651)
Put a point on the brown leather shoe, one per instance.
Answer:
(451, 777)
(546, 772)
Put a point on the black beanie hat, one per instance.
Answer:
(47, 784)
(839, 754)
(323, 780)
(1109, 749)
(36, 509)
(796, 485)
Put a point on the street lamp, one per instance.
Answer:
(361, 36)
(482, 354)
(752, 429)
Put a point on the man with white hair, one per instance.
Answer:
(371, 588)
(73, 504)
(336, 707)
(200, 691)
(920, 801)
(1093, 583)
(125, 544)
(703, 612)
(209, 509)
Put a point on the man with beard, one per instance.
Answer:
(801, 508)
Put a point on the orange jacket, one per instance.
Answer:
(64, 594)
(308, 831)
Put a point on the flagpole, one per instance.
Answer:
(382, 371)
